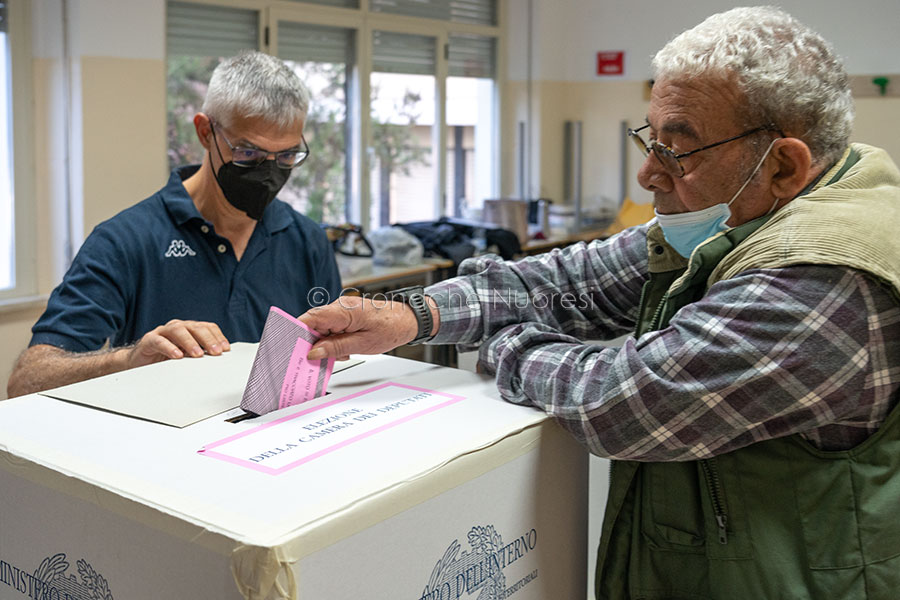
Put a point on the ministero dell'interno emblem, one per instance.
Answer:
(51, 580)
(479, 570)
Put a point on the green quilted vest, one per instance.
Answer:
(775, 520)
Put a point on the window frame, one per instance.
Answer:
(23, 167)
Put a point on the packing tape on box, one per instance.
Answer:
(263, 573)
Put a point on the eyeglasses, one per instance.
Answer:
(248, 157)
(671, 161)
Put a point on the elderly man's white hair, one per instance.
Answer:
(790, 76)
(256, 85)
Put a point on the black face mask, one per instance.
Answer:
(251, 189)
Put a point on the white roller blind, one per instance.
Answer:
(302, 43)
(472, 56)
(480, 12)
(204, 30)
(402, 53)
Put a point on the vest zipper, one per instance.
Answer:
(654, 320)
(715, 494)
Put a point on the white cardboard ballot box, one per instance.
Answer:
(406, 482)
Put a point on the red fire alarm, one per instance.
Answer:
(610, 63)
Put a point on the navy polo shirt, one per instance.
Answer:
(160, 260)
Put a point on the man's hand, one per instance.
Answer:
(177, 339)
(354, 325)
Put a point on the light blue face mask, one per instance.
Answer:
(686, 231)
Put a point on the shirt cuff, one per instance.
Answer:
(459, 310)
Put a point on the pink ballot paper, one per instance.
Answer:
(281, 376)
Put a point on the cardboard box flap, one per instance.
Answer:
(177, 392)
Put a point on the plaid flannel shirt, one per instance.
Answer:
(807, 349)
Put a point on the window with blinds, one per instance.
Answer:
(403, 53)
(471, 95)
(382, 150)
(338, 3)
(205, 30)
(314, 43)
(323, 57)
(478, 12)
(402, 84)
(198, 36)
(472, 56)
(469, 55)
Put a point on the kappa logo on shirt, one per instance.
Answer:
(178, 248)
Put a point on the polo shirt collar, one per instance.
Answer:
(180, 205)
(176, 199)
(277, 216)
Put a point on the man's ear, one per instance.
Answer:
(793, 169)
(204, 130)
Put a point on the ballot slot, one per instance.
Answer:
(239, 418)
(247, 415)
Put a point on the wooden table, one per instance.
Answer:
(361, 274)
(533, 247)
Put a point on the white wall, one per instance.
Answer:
(99, 130)
(100, 68)
(122, 29)
(563, 84)
(571, 32)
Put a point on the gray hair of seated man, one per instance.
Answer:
(789, 75)
(256, 85)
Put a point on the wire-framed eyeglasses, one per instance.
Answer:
(669, 159)
(249, 157)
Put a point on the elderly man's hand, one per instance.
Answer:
(354, 325)
(177, 339)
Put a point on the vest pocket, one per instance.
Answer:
(848, 500)
(828, 513)
(672, 512)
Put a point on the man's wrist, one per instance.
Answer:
(423, 308)
(125, 357)
(435, 316)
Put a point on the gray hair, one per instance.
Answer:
(253, 84)
(790, 76)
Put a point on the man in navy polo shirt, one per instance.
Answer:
(199, 263)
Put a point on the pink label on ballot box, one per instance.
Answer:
(291, 441)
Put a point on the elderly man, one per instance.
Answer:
(757, 452)
(199, 263)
